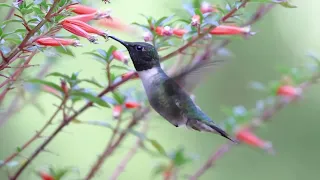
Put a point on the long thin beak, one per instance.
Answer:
(126, 44)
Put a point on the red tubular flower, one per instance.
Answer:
(195, 20)
(117, 110)
(288, 91)
(119, 55)
(87, 27)
(50, 90)
(83, 17)
(116, 24)
(81, 9)
(76, 30)
(207, 8)
(164, 31)
(49, 41)
(132, 105)
(246, 136)
(125, 75)
(230, 30)
(179, 32)
(45, 176)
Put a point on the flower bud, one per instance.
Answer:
(132, 105)
(206, 8)
(230, 30)
(288, 91)
(88, 28)
(128, 74)
(49, 41)
(81, 9)
(116, 111)
(179, 32)
(147, 36)
(195, 20)
(119, 55)
(45, 176)
(76, 30)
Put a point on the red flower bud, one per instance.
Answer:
(126, 75)
(230, 30)
(83, 18)
(76, 30)
(64, 87)
(115, 23)
(119, 55)
(164, 31)
(50, 90)
(88, 28)
(132, 105)
(117, 110)
(49, 41)
(288, 91)
(45, 176)
(195, 20)
(246, 136)
(207, 8)
(147, 36)
(179, 32)
(81, 9)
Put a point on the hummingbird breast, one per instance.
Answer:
(163, 95)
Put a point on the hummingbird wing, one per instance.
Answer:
(191, 75)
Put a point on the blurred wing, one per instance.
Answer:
(191, 75)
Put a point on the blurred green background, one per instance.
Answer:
(284, 37)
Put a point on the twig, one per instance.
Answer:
(15, 76)
(201, 35)
(65, 123)
(256, 122)
(28, 36)
(121, 167)
(37, 135)
(210, 162)
(108, 151)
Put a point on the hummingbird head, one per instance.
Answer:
(143, 55)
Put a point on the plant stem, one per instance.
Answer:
(109, 150)
(255, 122)
(121, 167)
(14, 52)
(65, 123)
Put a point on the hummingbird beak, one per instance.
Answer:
(126, 44)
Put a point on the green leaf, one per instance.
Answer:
(162, 21)
(57, 74)
(4, 5)
(140, 25)
(119, 67)
(65, 50)
(198, 12)
(47, 83)
(94, 82)
(18, 149)
(159, 169)
(118, 97)
(180, 159)
(109, 53)
(90, 97)
(196, 3)
(1, 32)
(287, 5)
(159, 148)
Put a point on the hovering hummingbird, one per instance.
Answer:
(165, 95)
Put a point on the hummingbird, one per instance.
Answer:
(169, 99)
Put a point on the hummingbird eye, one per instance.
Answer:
(139, 48)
